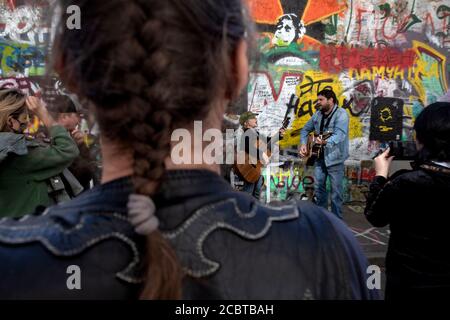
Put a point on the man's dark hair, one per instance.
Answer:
(63, 104)
(328, 93)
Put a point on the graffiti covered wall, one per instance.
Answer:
(385, 59)
(24, 35)
(25, 31)
(377, 55)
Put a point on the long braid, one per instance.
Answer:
(149, 134)
(150, 75)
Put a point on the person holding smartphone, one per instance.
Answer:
(414, 204)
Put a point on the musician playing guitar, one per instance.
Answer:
(252, 144)
(330, 118)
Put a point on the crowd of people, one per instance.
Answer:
(153, 229)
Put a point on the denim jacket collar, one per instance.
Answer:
(185, 191)
(177, 186)
(189, 183)
(108, 197)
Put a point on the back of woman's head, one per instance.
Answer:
(12, 103)
(432, 128)
(149, 67)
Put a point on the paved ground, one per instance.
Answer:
(372, 240)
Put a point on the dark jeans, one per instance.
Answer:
(336, 174)
(254, 188)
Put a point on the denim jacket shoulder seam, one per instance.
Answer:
(124, 274)
(210, 267)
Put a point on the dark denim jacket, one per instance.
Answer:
(415, 205)
(90, 232)
(230, 246)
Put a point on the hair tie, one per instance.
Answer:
(141, 213)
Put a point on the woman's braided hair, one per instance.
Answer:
(149, 67)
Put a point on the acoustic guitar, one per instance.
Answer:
(250, 170)
(315, 149)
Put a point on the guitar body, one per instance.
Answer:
(250, 172)
(314, 149)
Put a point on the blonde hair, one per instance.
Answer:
(12, 101)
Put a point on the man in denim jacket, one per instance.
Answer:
(329, 118)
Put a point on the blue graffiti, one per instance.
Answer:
(20, 58)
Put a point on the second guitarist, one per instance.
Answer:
(329, 118)
(254, 144)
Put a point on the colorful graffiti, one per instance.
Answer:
(300, 62)
(293, 21)
(289, 39)
(354, 96)
(392, 23)
(24, 84)
(21, 59)
(367, 51)
(337, 59)
(289, 181)
(24, 37)
(386, 60)
(293, 180)
(24, 22)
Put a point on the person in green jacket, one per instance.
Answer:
(26, 165)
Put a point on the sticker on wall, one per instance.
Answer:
(386, 120)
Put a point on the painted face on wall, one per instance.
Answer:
(289, 29)
(285, 33)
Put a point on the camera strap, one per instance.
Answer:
(322, 126)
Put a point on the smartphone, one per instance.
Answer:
(383, 148)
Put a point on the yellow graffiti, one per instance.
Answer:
(408, 116)
(386, 114)
(307, 91)
(377, 73)
(424, 70)
(355, 127)
(429, 66)
(427, 71)
(385, 129)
